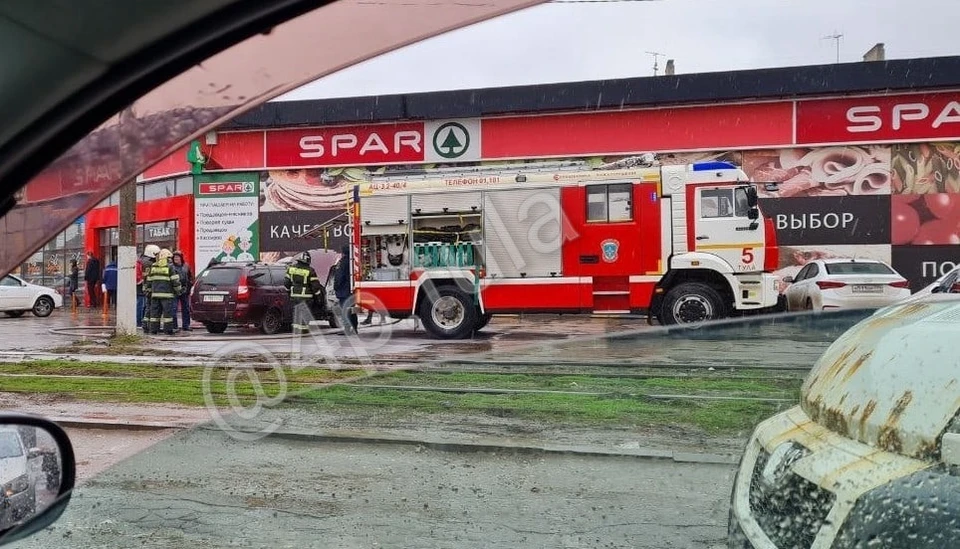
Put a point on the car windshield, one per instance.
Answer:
(10, 445)
(858, 268)
(539, 281)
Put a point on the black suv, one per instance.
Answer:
(242, 294)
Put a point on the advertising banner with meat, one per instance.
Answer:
(825, 171)
(226, 214)
(922, 265)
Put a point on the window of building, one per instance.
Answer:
(184, 185)
(156, 190)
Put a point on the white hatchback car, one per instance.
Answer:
(18, 296)
(845, 284)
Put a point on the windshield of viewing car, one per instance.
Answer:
(558, 315)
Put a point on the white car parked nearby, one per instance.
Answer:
(845, 284)
(18, 296)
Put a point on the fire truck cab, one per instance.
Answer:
(683, 244)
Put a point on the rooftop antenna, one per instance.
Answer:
(656, 56)
(836, 36)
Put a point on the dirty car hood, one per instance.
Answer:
(891, 381)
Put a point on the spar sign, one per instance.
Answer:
(894, 118)
(244, 188)
(226, 215)
(378, 144)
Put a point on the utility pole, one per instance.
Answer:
(656, 57)
(127, 261)
(127, 245)
(836, 38)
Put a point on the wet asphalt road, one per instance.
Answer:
(404, 338)
(540, 337)
(204, 489)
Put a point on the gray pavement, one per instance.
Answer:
(204, 489)
(432, 481)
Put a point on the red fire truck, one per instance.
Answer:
(684, 244)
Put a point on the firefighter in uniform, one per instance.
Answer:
(143, 300)
(304, 287)
(163, 287)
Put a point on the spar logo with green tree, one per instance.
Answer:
(451, 140)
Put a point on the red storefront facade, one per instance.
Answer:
(857, 155)
(177, 208)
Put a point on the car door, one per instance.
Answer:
(794, 290)
(279, 294)
(808, 290)
(14, 294)
(724, 228)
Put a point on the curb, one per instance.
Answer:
(119, 425)
(351, 437)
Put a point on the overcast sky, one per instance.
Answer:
(585, 40)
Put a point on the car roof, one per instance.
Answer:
(834, 260)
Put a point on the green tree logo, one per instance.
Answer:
(451, 140)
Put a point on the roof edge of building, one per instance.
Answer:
(713, 87)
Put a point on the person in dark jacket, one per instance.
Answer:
(304, 286)
(110, 282)
(186, 282)
(341, 286)
(73, 283)
(91, 274)
(163, 288)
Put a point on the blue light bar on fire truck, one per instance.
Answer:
(713, 165)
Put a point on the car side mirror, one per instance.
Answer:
(753, 214)
(37, 496)
(752, 198)
(788, 279)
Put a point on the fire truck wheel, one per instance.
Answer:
(483, 320)
(449, 314)
(692, 302)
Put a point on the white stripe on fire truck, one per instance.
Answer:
(637, 279)
(536, 281)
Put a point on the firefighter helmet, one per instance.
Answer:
(304, 258)
(151, 251)
(164, 254)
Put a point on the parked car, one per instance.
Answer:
(18, 296)
(869, 457)
(234, 294)
(845, 284)
(19, 488)
(948, 283)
